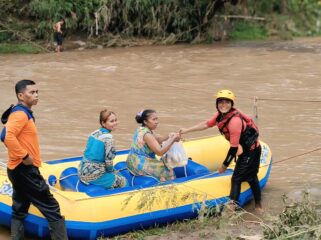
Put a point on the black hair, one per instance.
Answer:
(144, 115)
(218, 99)
(22, 85)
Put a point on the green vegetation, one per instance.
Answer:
(248, 31)
(169, 196)
(122, 22)
(4, 36)
(298, 220)
(19, 48)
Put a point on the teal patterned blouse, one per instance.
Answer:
(98, 156)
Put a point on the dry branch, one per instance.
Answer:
(241, 17)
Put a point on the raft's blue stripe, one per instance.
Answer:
(34, 225)
(74, 159)
(86, 230)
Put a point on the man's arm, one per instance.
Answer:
(14, 126)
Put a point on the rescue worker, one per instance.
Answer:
(242, 133)
(21, 139)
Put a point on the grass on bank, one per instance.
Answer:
(19, 48)
(248, 31)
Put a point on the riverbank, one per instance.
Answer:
(80, 44)
(27, 28)
(299, 219)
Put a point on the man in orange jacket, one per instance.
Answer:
(21, 139)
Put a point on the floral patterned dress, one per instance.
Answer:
(96, 166)
(142, 160)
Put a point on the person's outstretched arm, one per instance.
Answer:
(198, 127)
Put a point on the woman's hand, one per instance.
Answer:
(239, 150)
(175, 136)
(221, 169)
(171, 135)
(182, 130)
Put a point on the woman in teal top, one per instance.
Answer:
(146, 145)
(96, 166)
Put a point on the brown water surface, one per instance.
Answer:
(179, 82)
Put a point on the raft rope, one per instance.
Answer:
(271, 163)
(4, 166)
(70, 175)
(249, 98)
(227, 198)
(295, 156)
(288, 100)
(150, 176)
(57, 191)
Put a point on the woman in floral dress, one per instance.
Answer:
(96, 166)
(146, 145)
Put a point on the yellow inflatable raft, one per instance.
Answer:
(91, 211)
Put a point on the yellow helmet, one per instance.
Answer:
(227, 94)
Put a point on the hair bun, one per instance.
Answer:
(143, 115)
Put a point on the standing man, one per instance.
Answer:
(242, 134)
(21, 139)
(58, 35)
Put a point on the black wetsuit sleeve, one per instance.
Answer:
(230, 156)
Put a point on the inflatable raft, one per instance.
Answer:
(91, 211)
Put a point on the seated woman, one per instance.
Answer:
(141, 159)
(96, 166)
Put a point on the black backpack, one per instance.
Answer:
(5, 114)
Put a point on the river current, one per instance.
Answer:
(180, 82)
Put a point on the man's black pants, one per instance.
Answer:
(30, 187)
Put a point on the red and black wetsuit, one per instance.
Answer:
(238, 128)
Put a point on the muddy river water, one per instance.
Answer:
(179, 82)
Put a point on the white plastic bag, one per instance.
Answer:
(175, 156)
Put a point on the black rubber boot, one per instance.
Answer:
(17, 229)
(58, 230)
